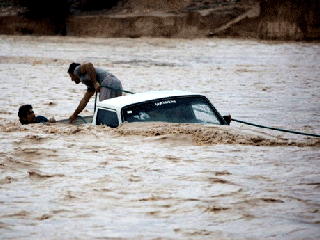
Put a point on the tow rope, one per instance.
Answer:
(276, 129)
(105, 86)
(116, 89)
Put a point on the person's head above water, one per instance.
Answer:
(72, 67)
(73, 76)
(26, 114)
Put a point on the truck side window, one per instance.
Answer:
(107, 117)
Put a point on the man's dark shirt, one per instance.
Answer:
(41, 119)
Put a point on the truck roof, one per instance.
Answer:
(119, 102)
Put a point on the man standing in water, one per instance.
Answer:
(96, 80)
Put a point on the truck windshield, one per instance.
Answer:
(173, 110)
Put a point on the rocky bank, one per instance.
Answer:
(183, 19)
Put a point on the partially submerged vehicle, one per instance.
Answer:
(162, 106)
(157, 106)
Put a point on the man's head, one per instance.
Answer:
(26, 114)
(73, 76)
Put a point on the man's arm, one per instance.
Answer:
(83, 103)
(88, 68)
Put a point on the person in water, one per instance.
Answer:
(96, 80)
(26, 116)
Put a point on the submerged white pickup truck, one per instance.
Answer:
(172, 106)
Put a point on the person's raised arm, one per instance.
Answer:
(88, 68)
(83, 103)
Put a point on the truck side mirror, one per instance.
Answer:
(227, 119)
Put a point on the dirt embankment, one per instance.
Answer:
(178, 19)
(137, 18)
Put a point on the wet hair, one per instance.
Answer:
(72, 67)
(23, 111)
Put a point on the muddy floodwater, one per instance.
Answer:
(160, 180)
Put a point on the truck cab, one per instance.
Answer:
(172, 106)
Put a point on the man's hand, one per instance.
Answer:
(52, 120)
(83, 103)
(73, 117)
(97, 86)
